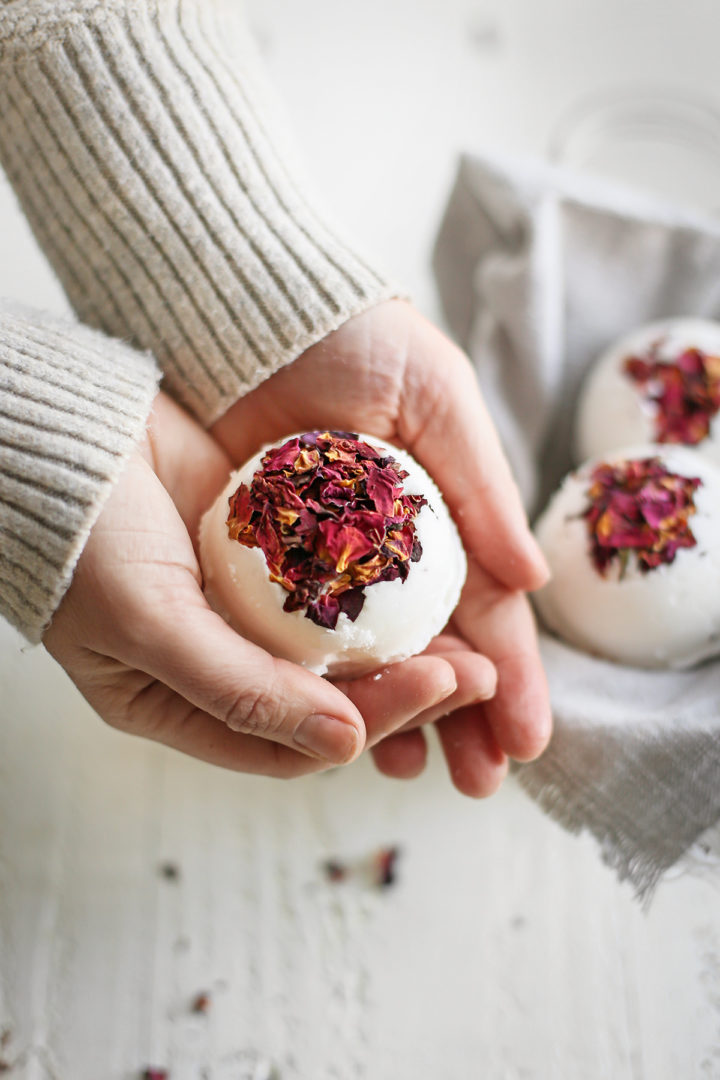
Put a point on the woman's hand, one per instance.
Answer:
(390, 373)
(136, 635)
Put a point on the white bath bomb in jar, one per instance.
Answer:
(659, 384)
(333, 551)
(633, 544)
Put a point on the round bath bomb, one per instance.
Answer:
(334, 552)
(633, 543)
(659, 384)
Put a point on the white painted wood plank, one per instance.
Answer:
(507, 950)
(505, 941)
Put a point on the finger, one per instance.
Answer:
(476, 681)
(198, 655)
(448, 641)
(500, 624)
(168, 718)
(402, 756)
(444, 423)
(396, 695)
(476, 764)
(190, 464)
(137, 704)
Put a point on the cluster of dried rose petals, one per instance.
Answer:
(382, 869)
(638, 507)
(329, 513)
(685, 392)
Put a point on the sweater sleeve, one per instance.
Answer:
(73, 406)
(142, 143)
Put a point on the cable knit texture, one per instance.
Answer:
(136, 134)
(73, 405)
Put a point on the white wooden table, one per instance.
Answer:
(506, 950)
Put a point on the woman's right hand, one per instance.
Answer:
(138, 638)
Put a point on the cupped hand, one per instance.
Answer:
(136, 635)
(390, 373)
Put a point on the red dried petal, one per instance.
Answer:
(351, 603)
(400, 542)
(330, 516)
(201, 1003)
(335, 870)
(371, 523)
(240, 509)
(281, 457)
(337, 493)
(324, 611)
(344, 543)
(306, 461)
(382, 489)
(386, 866)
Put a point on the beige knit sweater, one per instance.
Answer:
(142, 143)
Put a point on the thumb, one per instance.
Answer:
(203, 659)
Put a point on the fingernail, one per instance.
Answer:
(541, 564)
(538, 552)
(544, 565)
(442, 695)
(328, 738)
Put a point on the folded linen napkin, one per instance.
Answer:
(539, 269)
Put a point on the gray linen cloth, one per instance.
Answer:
(539, 269)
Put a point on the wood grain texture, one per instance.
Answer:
(506, 951)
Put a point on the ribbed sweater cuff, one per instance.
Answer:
(73, 406)
(138, 136)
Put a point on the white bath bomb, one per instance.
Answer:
(660, 384)
(601, 533)
(362, 545)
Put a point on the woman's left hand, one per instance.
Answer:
(390, 373)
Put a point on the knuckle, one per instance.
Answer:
(253, 712)
(142, 710)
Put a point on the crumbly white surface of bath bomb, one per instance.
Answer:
(666, 617)
(398, 618)
(614, 410)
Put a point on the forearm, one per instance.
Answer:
(73, 406)
(135, 134)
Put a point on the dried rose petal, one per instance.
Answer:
(378, 871)
(170, 871)
(329, 513)
(685, 392)
(638, 508)
(335, 871)
(201, 1003)
(155, 1074)
(344, 544)
(386, 866)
